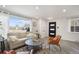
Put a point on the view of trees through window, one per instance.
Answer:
(18, 24)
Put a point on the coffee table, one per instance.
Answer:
(33, 44)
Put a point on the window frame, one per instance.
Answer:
(21, 18)
(75, 20)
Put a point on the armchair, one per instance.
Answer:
(55, 41)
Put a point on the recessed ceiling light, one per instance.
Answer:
(37, 7)
(64, 10)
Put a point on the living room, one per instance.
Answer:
(34, 23)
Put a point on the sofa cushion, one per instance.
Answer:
(13, 38)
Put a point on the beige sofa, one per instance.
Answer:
(17, 40)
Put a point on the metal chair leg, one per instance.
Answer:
(32, 50)
(49, 47)
(59, 47)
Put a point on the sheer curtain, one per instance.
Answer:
(4, 24)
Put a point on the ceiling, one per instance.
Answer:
(44, 11)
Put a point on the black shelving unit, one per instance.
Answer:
(52, 29)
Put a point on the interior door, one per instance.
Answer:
(52, 29)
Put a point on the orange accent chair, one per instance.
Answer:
(55, 41)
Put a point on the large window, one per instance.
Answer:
(17, 24)
(74, 25)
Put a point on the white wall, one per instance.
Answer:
(43, 28)
(34, 25)
(63, 30)
(4, 20)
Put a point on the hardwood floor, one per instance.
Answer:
(67, 47)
